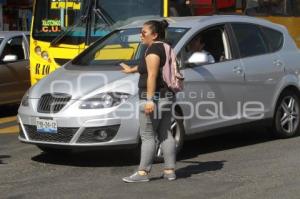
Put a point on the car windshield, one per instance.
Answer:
(121, 46)
(52, 17)
(1, 39)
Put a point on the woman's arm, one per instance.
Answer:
(128, 69)
(152, 62)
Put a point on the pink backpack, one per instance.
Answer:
(170, 72)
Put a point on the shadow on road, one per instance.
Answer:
(8, 110)
(102, 158)
(3, 157)
(195, 168)
(242, 138)
(191, 149)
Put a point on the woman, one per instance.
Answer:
(153, 96)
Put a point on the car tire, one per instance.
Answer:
(55, 151)
(286, 122)
(178, 133)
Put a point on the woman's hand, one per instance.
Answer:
(149, 107)
(126, 69)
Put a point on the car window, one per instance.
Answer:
(250, 39)
(274, 38)
(212, 41)
(15, 46)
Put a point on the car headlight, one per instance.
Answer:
(104, 100)
(25, 100)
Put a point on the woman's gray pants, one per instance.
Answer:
(157, 124)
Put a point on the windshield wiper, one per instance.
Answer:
(57, 39)
(102, 14)
(82, 19)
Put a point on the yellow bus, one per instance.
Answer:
(61, 29)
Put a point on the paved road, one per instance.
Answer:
(237, 165)
(8, 123)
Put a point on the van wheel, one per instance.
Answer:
(177, 130)
(286, 119)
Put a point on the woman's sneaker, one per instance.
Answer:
(170, 176)
(136, 177)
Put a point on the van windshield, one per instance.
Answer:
(121, 46)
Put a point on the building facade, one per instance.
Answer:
(15, 14)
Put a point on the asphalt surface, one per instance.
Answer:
(244, 164)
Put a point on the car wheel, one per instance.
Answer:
(177, 130)
(286, 120)
(54, 150)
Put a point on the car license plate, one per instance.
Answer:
(46, 126)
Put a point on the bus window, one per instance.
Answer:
(257, 7)
(53, 17)
(269, 7)
(280, 7)
(122, 10)
(179, 8)
(296, 7)
(277, 7)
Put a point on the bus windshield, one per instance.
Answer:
(52, 17)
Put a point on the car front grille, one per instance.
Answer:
(98, 134)
(53, 102)
(63, 135)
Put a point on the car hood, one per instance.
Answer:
(82, 82)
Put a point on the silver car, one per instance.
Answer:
(89, 102)
(14, 66)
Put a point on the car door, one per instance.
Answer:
(14, 73)
(213, 92)
(263, 69)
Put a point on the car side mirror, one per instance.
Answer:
(198, 58)
(10, 58)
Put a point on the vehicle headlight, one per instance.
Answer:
(25, 100)
(104, 100)
(45, 55)
(38, 50)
